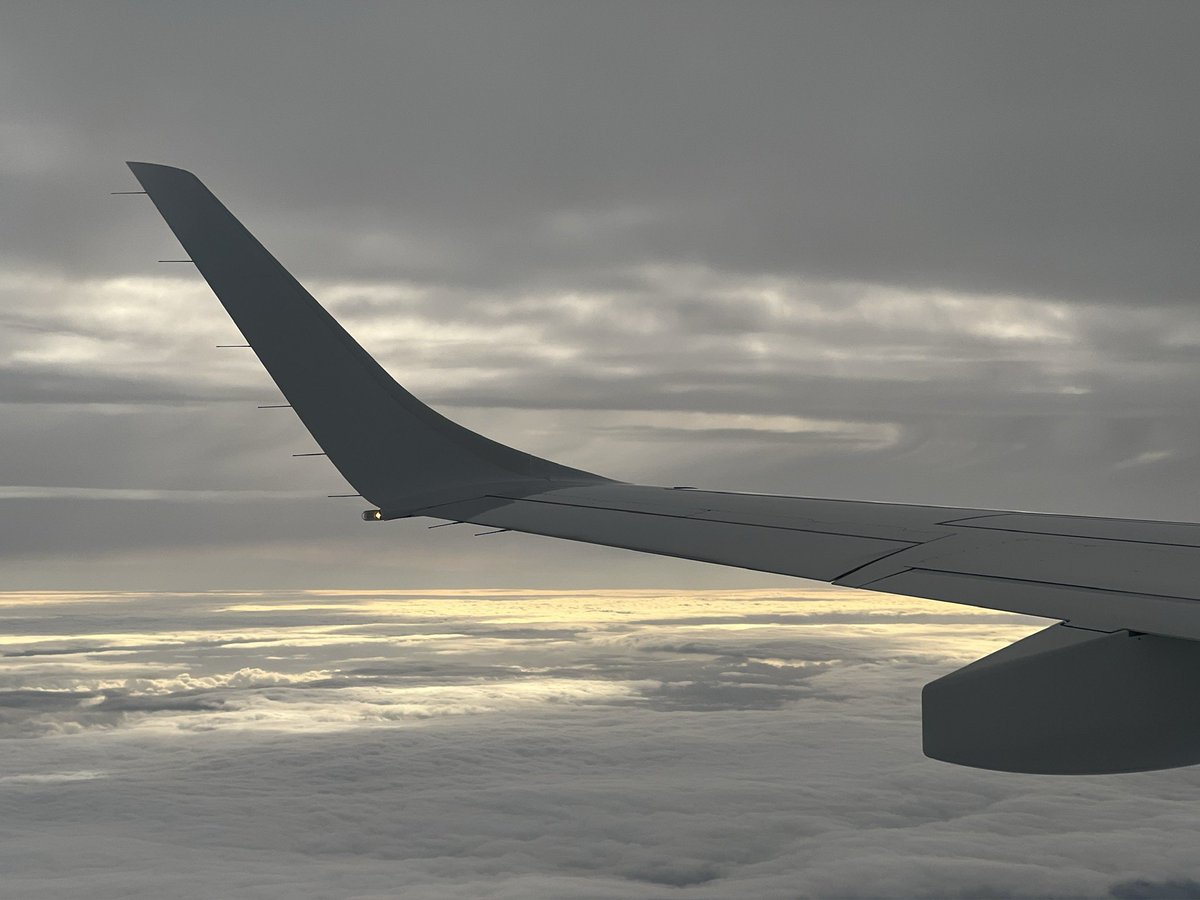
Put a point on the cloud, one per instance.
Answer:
(536, 744)
(835, 390)
(899, 147)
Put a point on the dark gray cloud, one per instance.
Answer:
(1145, 889)
(1024, 148)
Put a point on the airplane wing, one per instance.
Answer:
(1108, 689)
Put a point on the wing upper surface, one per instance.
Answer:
(1101, 574)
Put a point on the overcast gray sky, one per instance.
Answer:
(928, 252)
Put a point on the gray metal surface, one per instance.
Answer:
(1069, 702)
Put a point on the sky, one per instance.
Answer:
(941, 253)
(938, 253)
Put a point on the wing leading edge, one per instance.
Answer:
(1109, 581)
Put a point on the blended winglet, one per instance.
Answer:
(396, 451)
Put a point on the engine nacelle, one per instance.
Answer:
(1067, 701)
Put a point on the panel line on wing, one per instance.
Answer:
(964, 523)
(880, 559)
(908, 545)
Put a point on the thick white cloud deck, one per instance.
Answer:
(476, 744)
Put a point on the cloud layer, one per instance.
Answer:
(516, 744)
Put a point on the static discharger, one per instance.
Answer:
(322, 453)
(175, 260)
(237, 346)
